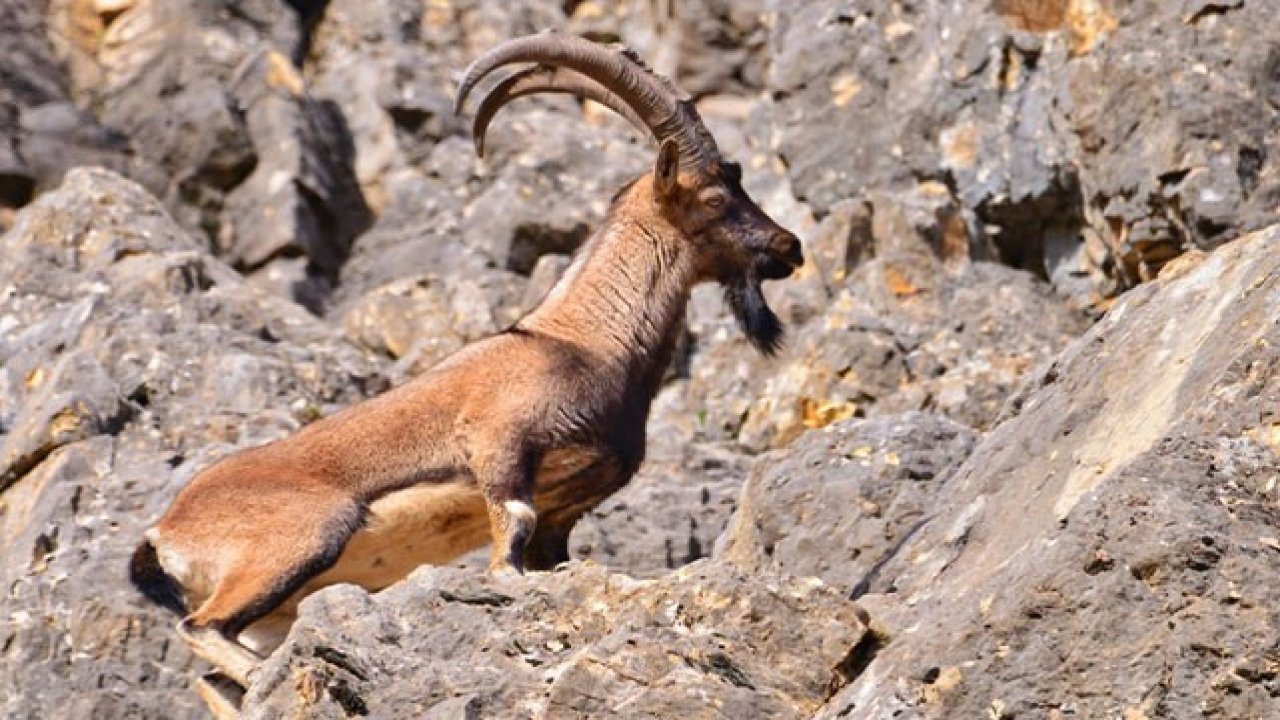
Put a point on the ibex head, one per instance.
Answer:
(691, 188)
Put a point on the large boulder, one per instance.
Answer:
(129, 358)
(1116, 529)
(253, 160)
(840, 501)
(703, 642)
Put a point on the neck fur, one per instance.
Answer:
(623, 298)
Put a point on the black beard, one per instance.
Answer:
(754, 316)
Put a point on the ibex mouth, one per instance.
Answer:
(784, 258)
(778, 267)
(775, 269)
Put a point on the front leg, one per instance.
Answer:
(549, 545)
(506, 480)
(594, 484)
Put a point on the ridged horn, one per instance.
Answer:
(654, 99)
(545, 78)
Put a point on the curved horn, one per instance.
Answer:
(545, 78)
(666, 111)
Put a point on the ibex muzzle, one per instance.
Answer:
(512, 439)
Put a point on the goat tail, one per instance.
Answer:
(146, 574)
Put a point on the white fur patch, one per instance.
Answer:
(173, 563)
(521, 511)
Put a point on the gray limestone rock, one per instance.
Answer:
(212, 94)
(42, 132)
(703, 642)
(1109, 549)
(882, 321)
(839, 502)
(1089, 143)
(671, 512)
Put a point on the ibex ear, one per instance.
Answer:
(666, 169)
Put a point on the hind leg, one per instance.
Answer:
(211, 631)
(263, 576)
(230, 657)
(220, 695)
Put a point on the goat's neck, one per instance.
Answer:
(623, 299)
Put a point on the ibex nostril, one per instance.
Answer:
(791, 250)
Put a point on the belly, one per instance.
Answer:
(435, 523)
(429, 524)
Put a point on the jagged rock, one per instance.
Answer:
(937, 93)
(255, 162)
(42, 133)
(840, 65)
(391, 67)
(131, 358)
(840, 501)
(903, 337)
(671, 512)
(1116, 530)
(1175, 122)
(419, 230)
(1089, 142)
(175, 51)
(302, 196)
(704, 641)
(421, 320)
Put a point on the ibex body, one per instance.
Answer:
(513, 438)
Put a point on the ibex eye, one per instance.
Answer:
(714, 201)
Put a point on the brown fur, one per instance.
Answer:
(549, 413)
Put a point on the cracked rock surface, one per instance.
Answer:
(705, 641)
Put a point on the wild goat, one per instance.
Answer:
(513, 438)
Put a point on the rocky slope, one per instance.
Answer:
(291, 219)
